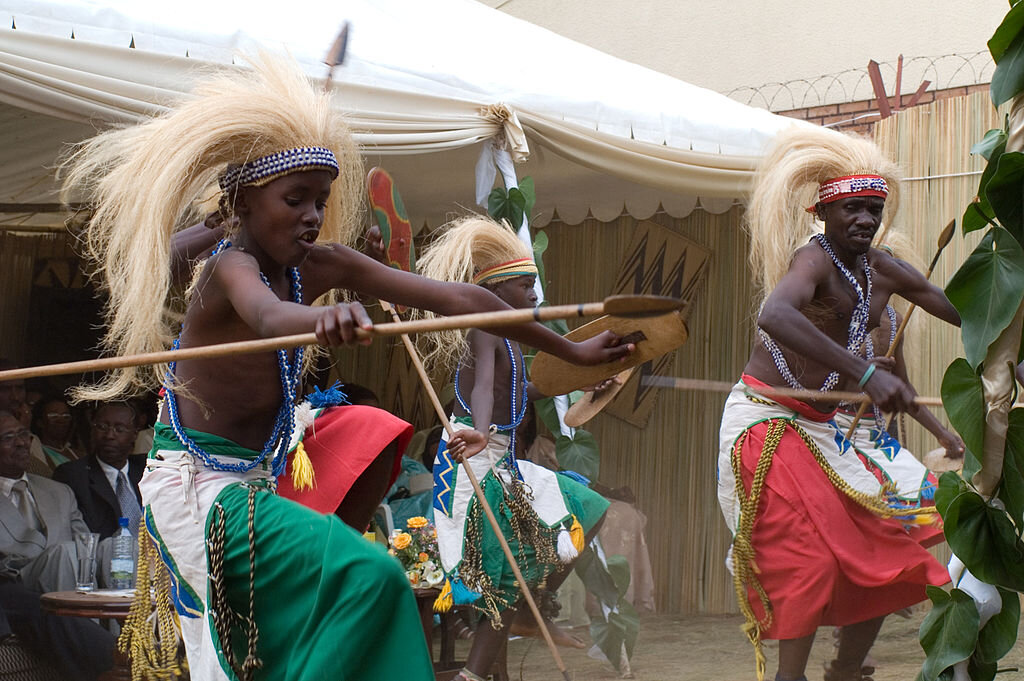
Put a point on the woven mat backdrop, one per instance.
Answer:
(670, 463)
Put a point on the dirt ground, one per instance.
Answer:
(709, 648)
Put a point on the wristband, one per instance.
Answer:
(867, 376)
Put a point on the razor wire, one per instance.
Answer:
(852, 85)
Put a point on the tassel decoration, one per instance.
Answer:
(303, 475)
(566, 550)
(331, 397)
(443, 602)
(577, 533)
(461, 594)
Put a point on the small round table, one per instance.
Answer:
(99, 604)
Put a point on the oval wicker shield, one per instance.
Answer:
(653, 336)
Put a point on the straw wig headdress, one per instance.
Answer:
(805, 164)
(144, 182)
(477, 250)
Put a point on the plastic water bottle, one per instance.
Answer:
(122, 562)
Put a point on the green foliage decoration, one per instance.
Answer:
(985, 533)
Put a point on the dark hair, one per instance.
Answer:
(130, 405)
(358, 394)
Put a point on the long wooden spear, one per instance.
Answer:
(702, 385)
(388, 208)
(613, 305)
(944, 238)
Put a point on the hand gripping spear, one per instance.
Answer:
(944, 238)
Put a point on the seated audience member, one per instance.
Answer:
(106, 482)
(12, 400)
(38, 518)
(53, 423)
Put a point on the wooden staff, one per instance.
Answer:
(944, 238)
(389, 202)
(613, 305)
(699, 384)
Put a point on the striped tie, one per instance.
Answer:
(129, 503)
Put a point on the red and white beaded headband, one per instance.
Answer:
(851, 185)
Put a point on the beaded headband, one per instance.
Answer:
(523, 267)
(851, 185)
(265, 169)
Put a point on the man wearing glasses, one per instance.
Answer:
(106, 482)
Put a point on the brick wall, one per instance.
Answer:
(860, 116)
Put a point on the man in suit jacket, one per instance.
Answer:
(38, 521)
(38, 518)
(95, 478)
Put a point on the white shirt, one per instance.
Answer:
(112, 473)
(7, 485)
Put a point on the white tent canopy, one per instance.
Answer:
(425, 83)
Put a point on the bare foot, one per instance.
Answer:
(522, 626)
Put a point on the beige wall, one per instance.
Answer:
(723, 46)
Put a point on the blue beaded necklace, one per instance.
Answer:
(517, 400)
(858, 328)
(279, 439)
(869, 351)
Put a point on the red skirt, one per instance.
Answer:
(341, 444)
(824, 559)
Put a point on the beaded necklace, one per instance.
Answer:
(516, 412)
(869, 352)
(284, 422)
(858, 328)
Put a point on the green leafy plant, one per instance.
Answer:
(984, 530)
(512, 204)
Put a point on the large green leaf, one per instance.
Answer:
(527, 189)
(964, 401)
(546, 413)
(992, 140)
(1003, 192)
(540, 246)
(1009, 29)
(979, 213)
(608, 582)
(618, 568)
(1008, 77)
(987, 290)
(516, 207)
(497, 203)
(949, 632)
(985, 539)
(951, 486)
(978, 670)
(596, 577)
(1000, 633)
(1011, 491)
(579, 453)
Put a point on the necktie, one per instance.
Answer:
(129, 503)
(22, 498)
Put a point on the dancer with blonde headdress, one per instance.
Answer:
(546, 517)
(264, 587)
(811, 545)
